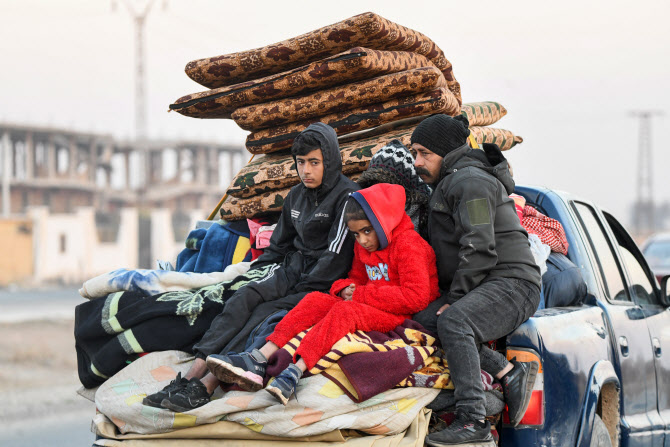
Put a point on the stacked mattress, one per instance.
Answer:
(370, 79)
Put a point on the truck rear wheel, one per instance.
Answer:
(600, 437)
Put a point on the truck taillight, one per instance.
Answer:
(534, 415)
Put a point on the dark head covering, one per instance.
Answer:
(394, 164)
(441, 133)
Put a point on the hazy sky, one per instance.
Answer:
(568, 72)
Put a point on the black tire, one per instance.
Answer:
(600, 437)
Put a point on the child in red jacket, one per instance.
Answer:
(393, 276)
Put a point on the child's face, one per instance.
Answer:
(310, 168)
(364, 234)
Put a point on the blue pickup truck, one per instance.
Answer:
(604, 375)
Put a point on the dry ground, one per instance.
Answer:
(38, 371)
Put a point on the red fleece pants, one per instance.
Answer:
(332, 318)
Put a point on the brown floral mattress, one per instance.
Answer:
(352, 65)
(367, 29)
(338, 99)
(483, 113)
(270, 173)
(440, 100)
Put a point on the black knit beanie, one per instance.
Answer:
(442, 133)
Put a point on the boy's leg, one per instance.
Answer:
(247, 369)
(312, 309)
(344, 317)
(239, 307)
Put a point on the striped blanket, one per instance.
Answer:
(408, 357)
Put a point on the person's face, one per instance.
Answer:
(364, 234)
(310, 168)
(427, 163)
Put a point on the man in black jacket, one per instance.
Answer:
(489, 280)
(310, 248)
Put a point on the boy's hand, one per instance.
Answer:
(348, 292)
(442, 309)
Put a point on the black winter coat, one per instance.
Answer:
(312, 223)
(473, 226)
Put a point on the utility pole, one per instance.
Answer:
(146, 167)
(644, 218)
(139, 17)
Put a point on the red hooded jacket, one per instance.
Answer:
(401, 276)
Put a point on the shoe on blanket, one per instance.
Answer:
(154, 400)
(283, 386)
(193, 396)
(463, 430)
(517, 388)
(246, 369)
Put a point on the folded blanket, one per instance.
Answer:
(349, 66)
(366, 30)
(110, 331)
(318, 407)
(408, 357)
(153, 282)
(339, 99)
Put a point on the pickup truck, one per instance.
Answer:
(604, 377)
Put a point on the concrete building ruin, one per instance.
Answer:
(115, 194)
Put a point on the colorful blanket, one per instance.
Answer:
(319, 405)
(364, 30)
(110, 331)
(352, 65)
(408, 357)
(154, 282)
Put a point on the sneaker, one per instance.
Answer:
(517, 388)
(463, 430)
(193, 396)
(154, 400)
(246, 369)
(283, 386)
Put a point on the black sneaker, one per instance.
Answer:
(517, 388)
(246, 369)
(154, 400)
(283, 386)
(463, 430)
(194, 395)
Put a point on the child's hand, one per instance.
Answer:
(348, 292)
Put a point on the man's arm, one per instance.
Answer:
(335, 261)
(474, 217)
(282, 238)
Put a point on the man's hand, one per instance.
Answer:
(441, 309)
(348, 292)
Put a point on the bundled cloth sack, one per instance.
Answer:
(363, 30)
(352, 65)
